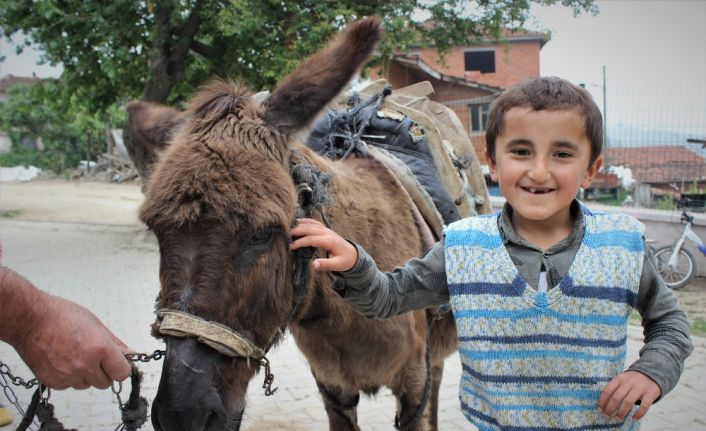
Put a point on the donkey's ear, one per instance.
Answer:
(152, 125)
(306, 91)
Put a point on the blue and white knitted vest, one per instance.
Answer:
(538, 361)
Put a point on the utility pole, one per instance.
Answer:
(605, 121)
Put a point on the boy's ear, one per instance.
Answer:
(592, 171)
(491, 166)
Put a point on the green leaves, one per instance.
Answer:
(63, 123)
(161, 50)
(120, 50)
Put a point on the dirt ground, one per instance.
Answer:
(117, 204)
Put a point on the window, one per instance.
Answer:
(483, 61)
(479, 117)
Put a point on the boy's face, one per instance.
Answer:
(541, 160)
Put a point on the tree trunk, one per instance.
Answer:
(172, 41)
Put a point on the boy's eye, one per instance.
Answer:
(520, 151)
(564, 154)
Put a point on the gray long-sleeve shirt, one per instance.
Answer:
(421, 283)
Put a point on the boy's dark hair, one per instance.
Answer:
(548, 94)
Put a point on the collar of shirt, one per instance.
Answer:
(508, 234)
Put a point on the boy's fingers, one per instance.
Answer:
(307, 225)
(615, 403)
(309, 241)
(626, 404)
(607, 394)
(309, 221)
(645, 404)
(326, 264)
(307, 230)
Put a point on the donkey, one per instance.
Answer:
(221, 200)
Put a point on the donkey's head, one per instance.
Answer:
(221, 202)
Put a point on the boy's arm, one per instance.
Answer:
(666, 330)
(418, 284)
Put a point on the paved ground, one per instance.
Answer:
(109, 264)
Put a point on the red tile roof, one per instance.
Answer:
(604, 180)
(8, 81)
(659, 164)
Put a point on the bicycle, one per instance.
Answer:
(675, 263)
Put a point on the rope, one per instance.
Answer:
(312, 188)
(347, 127)
(44, 412)
(220, 337)
(134, 412)
(30, 413)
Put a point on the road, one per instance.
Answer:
(82, 241)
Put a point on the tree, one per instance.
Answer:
(63, 124)
(160, 50)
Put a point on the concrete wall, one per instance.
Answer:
(662, 226)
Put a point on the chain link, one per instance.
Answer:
(144, 357)
(6, 374)
(17, 381)
(10, 395)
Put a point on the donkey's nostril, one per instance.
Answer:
(186, 420)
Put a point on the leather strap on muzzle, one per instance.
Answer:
(219, 337)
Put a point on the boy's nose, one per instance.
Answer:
(539, 171)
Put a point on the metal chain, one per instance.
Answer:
(17, 381)
(121, 425)
(6, 374)
(144, 357)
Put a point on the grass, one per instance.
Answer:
(698, 324)
(698, 327)
(635, 318)
(10, 213)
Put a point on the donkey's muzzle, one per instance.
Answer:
(187, 399)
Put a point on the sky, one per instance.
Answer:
(24, 64)
(654, 53)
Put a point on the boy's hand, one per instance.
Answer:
(621, 393)
(341, 256)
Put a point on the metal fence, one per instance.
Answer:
(655, 148)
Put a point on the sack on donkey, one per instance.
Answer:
(422, 141)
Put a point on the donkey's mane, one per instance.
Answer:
(222, 132)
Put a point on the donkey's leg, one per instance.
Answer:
(413, 396)
(436, 373)
(341, 408)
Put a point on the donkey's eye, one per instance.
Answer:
(261, 238)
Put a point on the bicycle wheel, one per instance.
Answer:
(684, 270)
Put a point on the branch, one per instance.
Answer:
(204, 50)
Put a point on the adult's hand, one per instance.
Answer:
(70, 347)
(64, 344)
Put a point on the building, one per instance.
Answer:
(662, 170)
(470, 77)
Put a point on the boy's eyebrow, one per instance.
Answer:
(520, 141)
(566, 144)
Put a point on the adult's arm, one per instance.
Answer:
(64, 344)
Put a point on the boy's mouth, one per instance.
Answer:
(537, 190)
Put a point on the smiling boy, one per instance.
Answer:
(542, 291)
